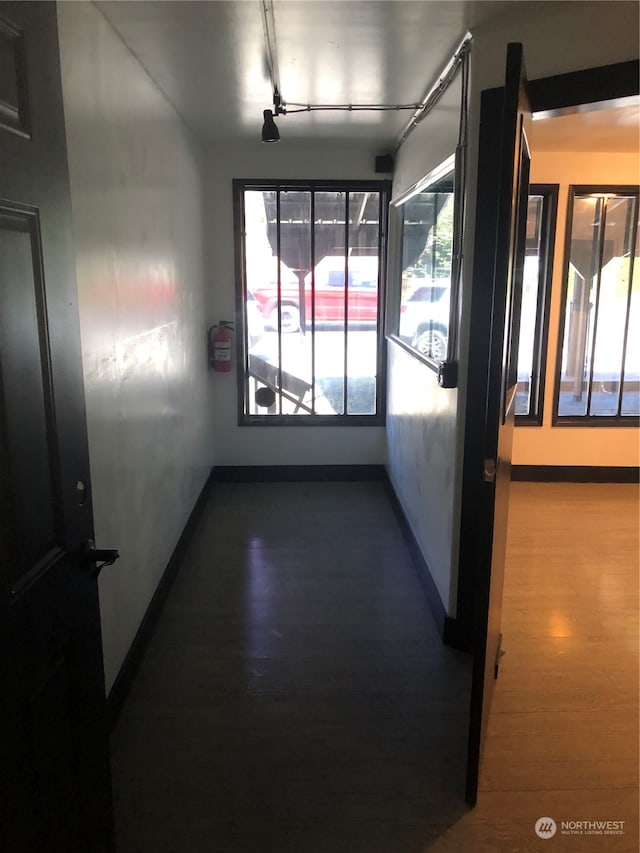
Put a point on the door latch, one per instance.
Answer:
(95, 559)
(489, 471)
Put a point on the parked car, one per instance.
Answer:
(328, 285)
(424, 319)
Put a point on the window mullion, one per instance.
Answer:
(346, 302)
(312, 243)
(546, 242)
(383, 225)
(434, 233)
(279, 299)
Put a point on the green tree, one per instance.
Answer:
(435, 259)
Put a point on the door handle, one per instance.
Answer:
(93, 559)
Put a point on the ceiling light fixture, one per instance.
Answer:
(270, 131)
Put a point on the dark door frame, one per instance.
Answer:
(506, 136)
(54, 773)
(604, 86)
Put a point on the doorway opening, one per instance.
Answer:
(575, 93)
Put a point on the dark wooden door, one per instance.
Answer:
(506, 246)
(54, 764)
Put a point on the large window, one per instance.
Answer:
(421, 302)
(599, 376)
(534, 313)
(311, 263)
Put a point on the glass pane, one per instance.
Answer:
(261, 268)
(631, 384)
(612, 307)
(295, 304)
(26, 418)
(362, 303)
(279, 362)
(529, 310)
(329, 301)
(427, 244)
(8, 78)
(579, 306)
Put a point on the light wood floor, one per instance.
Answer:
(563, 734)
(296, 697)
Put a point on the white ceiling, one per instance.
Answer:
(209, 58)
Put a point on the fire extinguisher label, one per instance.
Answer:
(222, 351)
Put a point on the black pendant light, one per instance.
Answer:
(270, 132)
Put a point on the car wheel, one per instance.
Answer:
(289, 318)
(432, 343)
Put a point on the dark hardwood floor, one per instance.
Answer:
(295, 695)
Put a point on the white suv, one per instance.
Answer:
(424, 318)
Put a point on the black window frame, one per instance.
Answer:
(383, 187)
(548, 226)
(588, 420)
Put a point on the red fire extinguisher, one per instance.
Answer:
(220, 346)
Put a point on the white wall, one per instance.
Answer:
(547, 445)
(426, 423)
(421, 447)
(421, 416)
(558, 36)
(248, 445)
(136, 201)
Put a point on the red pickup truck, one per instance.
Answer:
(362, 294)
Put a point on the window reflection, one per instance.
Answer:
(427, 248)
(534, 312)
